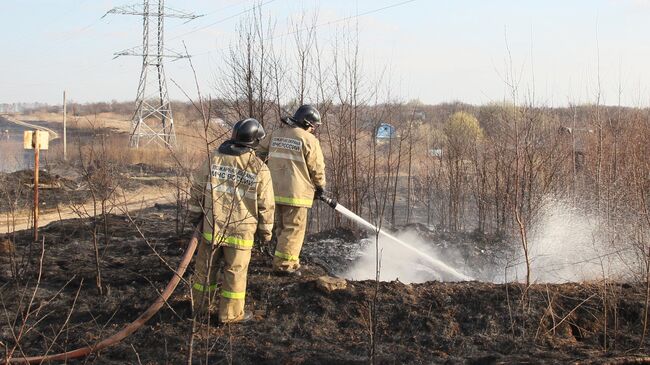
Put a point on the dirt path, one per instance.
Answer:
(126, 201)
(53, 134)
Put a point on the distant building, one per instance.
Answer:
(579, 144)
(385, 132)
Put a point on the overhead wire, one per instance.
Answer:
(95, 66)
(227, 7)
(214, 12)
(73, 34)
(63, 38)
(324, 24)
(221, 20)
(343, 19)
(247, 10)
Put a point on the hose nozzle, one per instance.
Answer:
(328, 200)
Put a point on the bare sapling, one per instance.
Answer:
(101, 177)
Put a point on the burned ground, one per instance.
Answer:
(295, 322)
(18, 190)
(55, 190)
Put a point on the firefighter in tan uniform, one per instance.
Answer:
(297, 167)
(235, 192)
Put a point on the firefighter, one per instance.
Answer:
(297, 167)
(235, 193)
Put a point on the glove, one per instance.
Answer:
(324, 196)
(319, 192)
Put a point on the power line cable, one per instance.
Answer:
(215, 22)
(343, 19)
(222, 20)
(215, 11)
(325, 23)
(336, 21)
(74, 33)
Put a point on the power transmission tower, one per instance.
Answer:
(152, 120)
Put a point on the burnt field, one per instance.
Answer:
(295, 321)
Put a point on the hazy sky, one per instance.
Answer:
(435, 50)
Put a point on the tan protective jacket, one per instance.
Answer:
(236, 193)
(296, 163)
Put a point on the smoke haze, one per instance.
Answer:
(565, 246)
(398, 263)
(568, 246)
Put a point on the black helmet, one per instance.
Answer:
(306, 116)
(247, 133)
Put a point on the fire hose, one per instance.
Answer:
(129, 329)
(437, 264)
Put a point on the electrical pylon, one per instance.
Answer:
(152, 120)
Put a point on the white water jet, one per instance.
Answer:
(436, 264)
(566, 245)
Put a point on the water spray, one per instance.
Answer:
(437, 264)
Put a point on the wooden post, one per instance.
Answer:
(36, 140)
(36, 189)
(65, 134)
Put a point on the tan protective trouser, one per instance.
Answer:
(233, 286)
(291, 225)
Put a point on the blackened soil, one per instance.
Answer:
(17, 190)
(296, 323)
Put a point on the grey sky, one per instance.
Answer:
(433, 50)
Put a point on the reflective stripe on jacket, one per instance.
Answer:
(297, 165)
(236, 196)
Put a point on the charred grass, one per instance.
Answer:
(295, 322)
